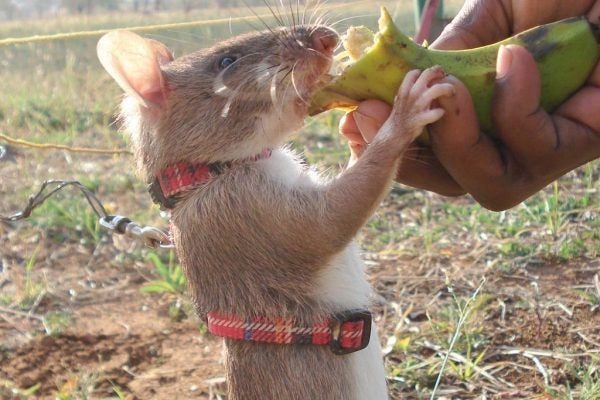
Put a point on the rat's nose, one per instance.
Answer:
(324, 40)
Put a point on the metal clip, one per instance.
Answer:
(150, 236)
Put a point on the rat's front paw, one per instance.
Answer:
(413, 106)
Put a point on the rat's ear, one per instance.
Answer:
(134, 62)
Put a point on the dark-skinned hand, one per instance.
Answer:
(534, 147)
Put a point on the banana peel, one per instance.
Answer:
(565, 52)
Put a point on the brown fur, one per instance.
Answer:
(251, 245)
(191, 127)
(275, 240)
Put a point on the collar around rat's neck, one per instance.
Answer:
(166, 187)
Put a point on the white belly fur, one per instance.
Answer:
(342, 285)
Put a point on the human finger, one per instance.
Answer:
(350, 130)
(472, 158)
(479, 22)
(420, 168)
(370, 116)
(544, 146)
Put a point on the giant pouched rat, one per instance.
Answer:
(265, 237)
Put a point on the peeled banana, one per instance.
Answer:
(565, 52)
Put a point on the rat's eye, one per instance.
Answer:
(226, 61)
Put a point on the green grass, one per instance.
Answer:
(10, 391)
(56, 322)
(171, 279)
(589, 388)
(29, 289)
(171, 282)
(68, 219)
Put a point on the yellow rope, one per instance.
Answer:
(51, 146)
(149, 28)
(86, 34)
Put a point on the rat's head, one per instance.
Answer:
(223, 103)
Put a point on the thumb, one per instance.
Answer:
(370, 116)
(516, 73)
(523, 126)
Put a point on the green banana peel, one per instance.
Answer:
(565, 52)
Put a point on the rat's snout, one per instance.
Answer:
(324, 40)
(306, 51)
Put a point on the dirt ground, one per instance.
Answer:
(117, 339)
(124, 338)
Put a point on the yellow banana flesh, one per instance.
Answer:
(565, 52)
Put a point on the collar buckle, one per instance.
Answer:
(156, 193)
(341, 344)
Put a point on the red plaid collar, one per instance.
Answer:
(344, 333)
(184, 176)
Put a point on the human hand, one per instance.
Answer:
(419, 166)
(482, 22)
(535, 148)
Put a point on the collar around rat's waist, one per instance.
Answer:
(345, 332)
(185, 176)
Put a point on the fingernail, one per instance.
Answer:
(504, 62)
(367, 125)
